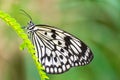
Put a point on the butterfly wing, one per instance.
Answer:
(58, 50)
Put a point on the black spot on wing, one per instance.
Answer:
(54, 48)
(61, 50)
(59, 43)
(67, 40)
(83, 48)
(62, 63)
(61, 56)
(66, 48)
(53, 34)
(48, 58)
(53, 31)
(55, 58)
(51, 55)
(45, 33)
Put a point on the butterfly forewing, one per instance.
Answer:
(58, 50)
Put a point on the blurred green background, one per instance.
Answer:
(96, 22)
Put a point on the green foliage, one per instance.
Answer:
(26, 42)
(95, 22)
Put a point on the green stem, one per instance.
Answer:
(26, 42)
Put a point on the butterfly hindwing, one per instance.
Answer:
(58, 50)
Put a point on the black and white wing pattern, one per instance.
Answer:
(58, 50)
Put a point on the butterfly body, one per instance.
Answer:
(58, 50)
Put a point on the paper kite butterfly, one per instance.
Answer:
(56, 49)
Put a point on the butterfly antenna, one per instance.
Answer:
(26, 14)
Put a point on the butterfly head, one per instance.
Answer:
(30, 26)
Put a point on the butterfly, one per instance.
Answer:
(58, 50)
